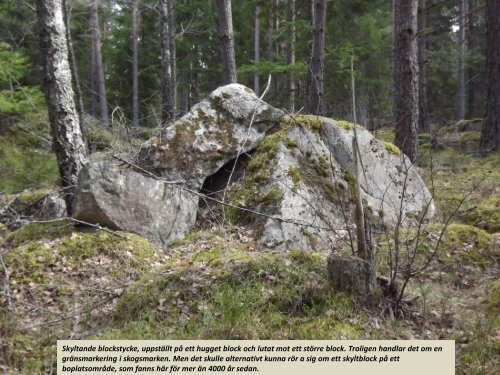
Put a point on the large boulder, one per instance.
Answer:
(210, 135)
(301, 179)
(116, 196)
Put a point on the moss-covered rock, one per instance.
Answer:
(210, 135)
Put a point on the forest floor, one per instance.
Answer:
(59, 282)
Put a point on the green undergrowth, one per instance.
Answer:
(229, 291)
(68, 276)
(26, 160)
(480, 354)
(462, 247)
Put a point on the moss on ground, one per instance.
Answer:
(461, 246)
(66, 275)
(228, 291)
(486, 214)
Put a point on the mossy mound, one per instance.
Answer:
(486, 214)
(220, 288)
(462, 249)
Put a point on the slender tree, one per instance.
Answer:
(291, 54)
(405, 76)
(423, 119)
(461, 61)
(226, 37)
(97, 63)
(256, 49)
(316, 91)
(173, 49)
(167, 88)
(64, 122)
(471, 49)
(490, 134)
(135, 80)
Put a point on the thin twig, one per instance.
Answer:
(6, 284)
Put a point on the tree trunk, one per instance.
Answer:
(173, 61)
(316, 105)
(98, 67)
(65, 127)
(423, 119)
(270, 31)
(93, 86)
(291, 55)
(490, 134)
(72, 65)
(167, 107)
(405, 76)
(461, 58)
(135, 80)
(226, 37)
(471, 47)
(256, 77)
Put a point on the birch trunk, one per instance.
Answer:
(65, 127)
(72, 65)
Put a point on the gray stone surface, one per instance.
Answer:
(313, 168)
(210, 135)
(120, 198)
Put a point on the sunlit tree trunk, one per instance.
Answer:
(64, 122)
(72, 64)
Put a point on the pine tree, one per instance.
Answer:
(167, 87)
(316, 90)
(97, 67)
(490, 133)
(405, 76)
(226, 37)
